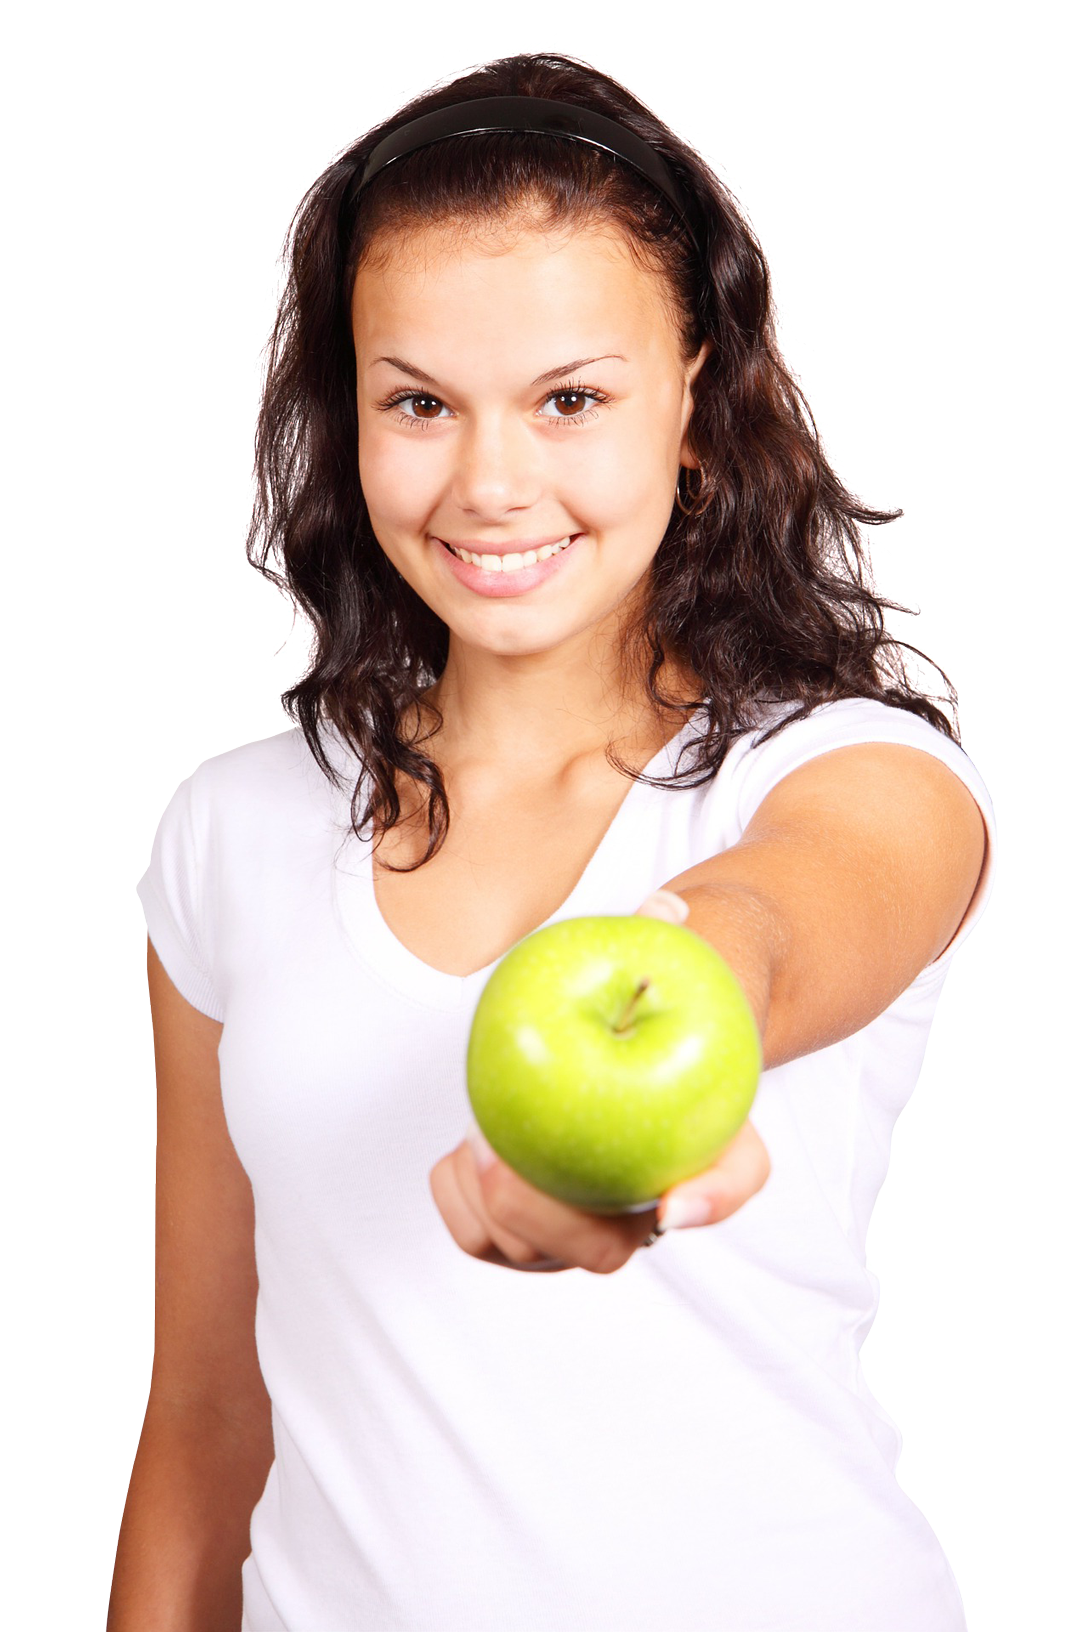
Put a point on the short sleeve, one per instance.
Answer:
(854, 720)
(173, 893)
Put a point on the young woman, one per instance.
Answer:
(591, 624)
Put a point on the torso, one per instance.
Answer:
(507, 863)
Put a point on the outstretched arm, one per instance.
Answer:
(855, 873)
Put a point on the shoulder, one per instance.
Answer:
(274, 756)
(782, 744)
(247, 789)
(269, 767)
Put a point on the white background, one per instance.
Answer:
(909, 174)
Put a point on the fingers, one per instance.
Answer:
(580, 1239)
(456, 1190)
(500, 1218)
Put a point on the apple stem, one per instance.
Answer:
(629, 1010)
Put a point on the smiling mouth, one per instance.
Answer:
(511, 562)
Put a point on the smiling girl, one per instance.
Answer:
(592, 636)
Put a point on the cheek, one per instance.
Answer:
(394, 478)
(623, 477)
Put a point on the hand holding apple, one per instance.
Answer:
(495, 1215)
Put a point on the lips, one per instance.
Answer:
(508, 574)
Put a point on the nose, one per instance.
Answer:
(497, 468)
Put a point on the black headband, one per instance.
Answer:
(539, 116)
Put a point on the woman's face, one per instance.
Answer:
(516, 390)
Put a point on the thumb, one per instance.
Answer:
(664, 904)
(741, 1170)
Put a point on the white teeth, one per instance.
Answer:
(510, 563)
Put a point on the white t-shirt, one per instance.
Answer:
(687, 1442)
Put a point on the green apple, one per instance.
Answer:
(611, 1058)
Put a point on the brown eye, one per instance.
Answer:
(425, 407)
(573, 404)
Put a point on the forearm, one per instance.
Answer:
(746, 930)
(185, 1530)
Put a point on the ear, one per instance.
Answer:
(691, 372)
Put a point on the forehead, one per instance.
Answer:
(524, 287)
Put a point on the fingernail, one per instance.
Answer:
(485, 1156)
(682, 1211)
(677, 908)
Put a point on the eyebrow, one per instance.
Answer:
(541, 379)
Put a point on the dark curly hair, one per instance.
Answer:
(759, 587)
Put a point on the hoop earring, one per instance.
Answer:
(704, 493)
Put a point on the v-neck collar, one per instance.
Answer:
(375, 944)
